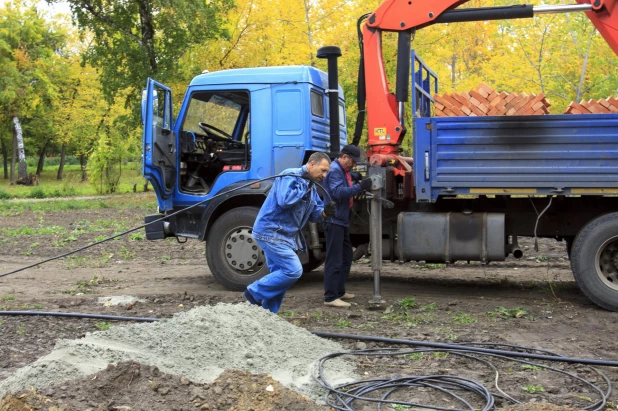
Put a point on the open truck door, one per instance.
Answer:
(159, 149)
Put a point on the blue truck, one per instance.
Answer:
(471, 187)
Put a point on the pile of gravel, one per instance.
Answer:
(198, 344)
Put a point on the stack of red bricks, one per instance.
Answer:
(603, 106)
(485, 101)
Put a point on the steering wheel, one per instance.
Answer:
(214, 133)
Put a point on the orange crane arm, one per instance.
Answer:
(385, 110)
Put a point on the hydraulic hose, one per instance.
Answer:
(161, 219)
(471, 349)
(79, 315)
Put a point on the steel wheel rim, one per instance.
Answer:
(606, 263)
(241, 252)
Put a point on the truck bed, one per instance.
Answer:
(524, 155)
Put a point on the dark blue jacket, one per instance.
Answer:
(336, 184)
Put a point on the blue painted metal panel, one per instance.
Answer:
(544, 152)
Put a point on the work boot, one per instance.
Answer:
(338, 303)
(249, 298)
(347, 296)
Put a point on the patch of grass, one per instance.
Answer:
(433, 266)
(21, 329)
(31, 306)
(74, 261)
(126, 253)
(542, 259)
(8, 298)
(106, 257)
(370, 325)
(287, 314)
(528, 367)
(440, 355)
(429, 307)
(317, 315)
(103, 326)
(343, 324)
(463, 318)
(415, 356)
(415, 321)
(4, 195)
(137, 236)
(401, 407)
(407, 303)
(165, 259)
(145, 203)
(503, 312)
(533, 389)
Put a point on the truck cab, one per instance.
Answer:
(233, 127)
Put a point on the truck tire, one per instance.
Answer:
(233, 256)
(313, 264)
(594, 261)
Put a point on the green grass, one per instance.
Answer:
(533, 389)
(10, 208)
(103, 326)
(528, 367)
(407, 303)
(71, 184)
(343, 324)
(415, 356)
(8, 298)
(429, 307)
(463, 318)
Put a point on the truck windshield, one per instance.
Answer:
(213, 109)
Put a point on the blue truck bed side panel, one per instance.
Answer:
(560, 154)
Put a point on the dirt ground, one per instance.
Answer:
(533, 302)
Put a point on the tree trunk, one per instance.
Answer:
(61, 166)
(13, 157)
(5, 160)
(39, 167)
(148, 32)
(22, 169)
(82, 163)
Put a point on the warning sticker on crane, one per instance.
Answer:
(379, 131)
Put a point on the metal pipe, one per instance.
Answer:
(331, 53)
(375, 236)
(315, 242)
(568, 8)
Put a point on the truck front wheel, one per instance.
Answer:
(233, 256)
(594, 261)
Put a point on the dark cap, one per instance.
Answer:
(353, 152)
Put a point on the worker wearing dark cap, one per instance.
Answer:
(342, 189)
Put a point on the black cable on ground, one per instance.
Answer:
(159, 220)
(381, 391)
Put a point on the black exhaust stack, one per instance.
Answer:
(331, 53)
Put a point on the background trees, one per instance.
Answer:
(72, 85)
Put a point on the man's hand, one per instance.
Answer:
(307, 176)
(355, 176)
(330, 209)
(366, 184)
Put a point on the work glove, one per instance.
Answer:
(330, 209)
(366, 184)
(355, 176)
(307, 176)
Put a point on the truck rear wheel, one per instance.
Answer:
(594, 261)
(233, 256)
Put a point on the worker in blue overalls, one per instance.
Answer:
(291, 202)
